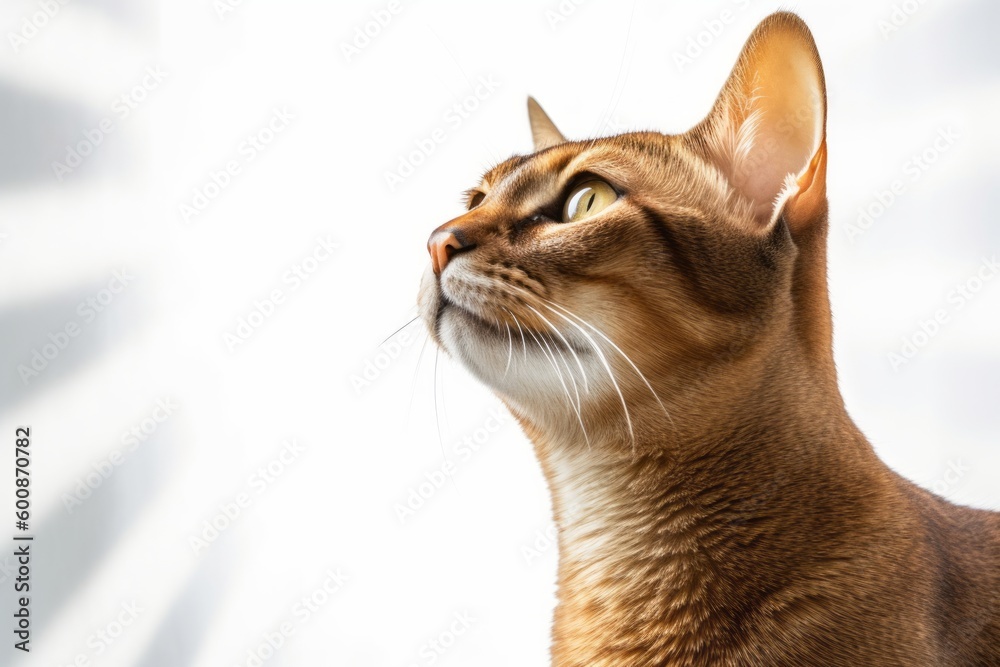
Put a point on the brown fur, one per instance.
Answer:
(730, 512)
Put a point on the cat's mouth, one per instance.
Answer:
(533, 351)
(519, 339)
(448, 307)
(512, 340)
(506, 328)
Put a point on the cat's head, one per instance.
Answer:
(591, 282)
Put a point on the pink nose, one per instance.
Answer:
(442, 246)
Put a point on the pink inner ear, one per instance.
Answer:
(787, 130)
(770, 119)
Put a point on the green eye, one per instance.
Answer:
(588, 199)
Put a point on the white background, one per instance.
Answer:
(597, 68)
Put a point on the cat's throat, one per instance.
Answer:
(634, 571)
(668, 560)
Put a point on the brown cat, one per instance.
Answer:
(653, 309)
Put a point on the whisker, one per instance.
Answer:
(437, 414)
(416, 373)
(607, 367)
(568, 346)
(569, 371)
(565, 389)
(524, 343)
(389, 337)
(624, 356)
(562, 357)
(619, 88)
(510, 349)
(600, 355)
(552, 363)
(576, 391)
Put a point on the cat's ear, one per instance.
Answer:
(767, 130)
(543, 131)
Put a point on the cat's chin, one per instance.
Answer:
(521, 365)
(522, 375)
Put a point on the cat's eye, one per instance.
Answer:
(476, 199)
(587, 199)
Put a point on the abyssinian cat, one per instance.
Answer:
(653, 310)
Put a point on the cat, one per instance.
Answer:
(653, 310)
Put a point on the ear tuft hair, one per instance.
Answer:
(769, 121)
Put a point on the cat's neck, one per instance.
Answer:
(659, 535)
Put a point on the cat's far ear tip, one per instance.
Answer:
(543, 131)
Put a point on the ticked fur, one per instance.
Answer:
(671, 360)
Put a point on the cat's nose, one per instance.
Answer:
(442, 245)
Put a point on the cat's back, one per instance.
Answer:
(962, 550)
